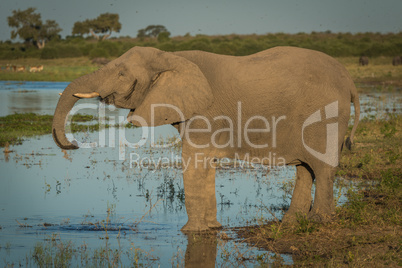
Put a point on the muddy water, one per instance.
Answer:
(87, 195)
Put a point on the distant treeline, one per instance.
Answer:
(334, 44)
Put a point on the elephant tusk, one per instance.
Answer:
(60, 93)
(86, 95)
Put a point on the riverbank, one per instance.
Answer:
(380, 74)
(54, 70)
(366, 230)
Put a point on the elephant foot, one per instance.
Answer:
(195, 226)
(293, 217)
(323, 217)
(289, 218)
(214, 224)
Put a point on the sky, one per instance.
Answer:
(220, 17)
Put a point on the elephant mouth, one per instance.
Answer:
(178, 123)
(131, 119)
(109, 99)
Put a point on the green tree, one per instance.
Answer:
(152, 31)
(31, 29)
(163, 37)
(100, 28)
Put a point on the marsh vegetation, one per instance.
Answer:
(101, 212)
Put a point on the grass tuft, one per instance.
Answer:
(14, 128)
(377, 148)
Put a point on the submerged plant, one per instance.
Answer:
(53, 254)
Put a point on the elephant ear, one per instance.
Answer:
(178, 91)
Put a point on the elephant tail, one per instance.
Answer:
(356, 102)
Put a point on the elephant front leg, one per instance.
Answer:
(210, 191)
(301, 198)
(199, 191)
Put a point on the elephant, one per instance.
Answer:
(397, 60)
(363, 60)
(262, 108)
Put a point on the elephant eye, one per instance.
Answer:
(121, 73)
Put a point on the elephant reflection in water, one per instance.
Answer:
(201, 250)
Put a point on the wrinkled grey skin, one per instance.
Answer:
(268, 84)
(363, 60)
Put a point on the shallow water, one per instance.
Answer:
(29, 97)
(71, 191)
(85, 195)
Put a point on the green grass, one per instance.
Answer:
(54, 70)
(379, 72)
(377, 147)
(334, 44)
(377, 204)
(14, 128)
(56, 253)
(75, 53)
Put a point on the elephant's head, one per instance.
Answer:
(137, 80)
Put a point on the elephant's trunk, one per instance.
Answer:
(64, 106)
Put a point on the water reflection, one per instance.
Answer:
(201, 250)
(39, 98)
(29, 97)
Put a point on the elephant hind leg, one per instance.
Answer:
(323, 208)
(301, 198)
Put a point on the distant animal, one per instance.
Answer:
(20, 68)
(10, 67)
(100, 61)
(397, 60)
(363, 60)
(34, 69)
